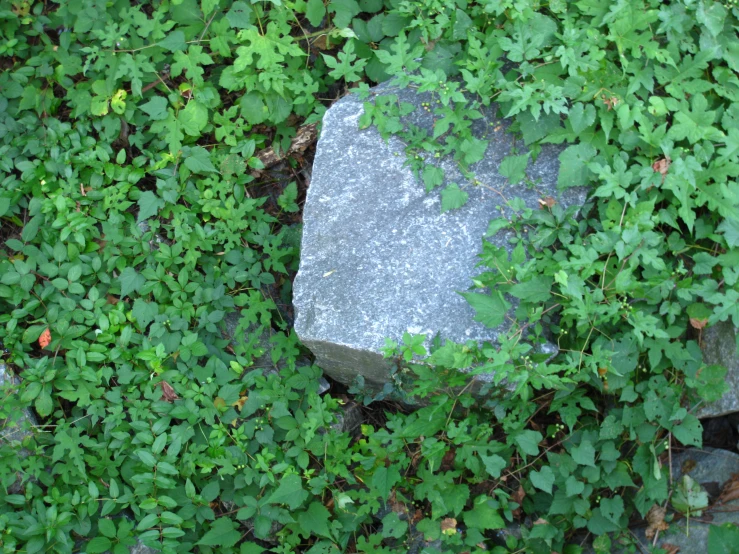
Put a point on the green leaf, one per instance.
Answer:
(473, 150)
(494, 464)
(584, 453)
(452, 197)
(149, 205)
(689, 431)
(538, 289)
(315, 520)
(315, 12)
(223, 533)
(513, 168)
(712, 16)
(528, 441)
(482, 516)
(581, 117)
(144, 312)
(130, 281)
(290, 492)
(490, 309)
(198, 160)
(240, 15)
(287, 200)
(174, 42)
(155, 108)
(730, 228)
(543, 479)
(193, 118)
(107, 527)
(432, 177)
(384, 479)
(344, 11)
(573, 171)
(723, 539)
(98, 545)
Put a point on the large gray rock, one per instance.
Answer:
(718, 343)
(378, 259)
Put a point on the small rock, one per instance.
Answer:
(719, 345)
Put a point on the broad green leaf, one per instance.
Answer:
(384, 479)
(584, 453)
(315, 12)
(193, 118)
(174, 42)
(528, 441)
(131, 281)
(240, 15)
(490, 309)
(453, 197)
(723, 539)
(581, 117)
(543, 479)
(198, 160)
(344, 11)
(573, 170)
(536, 290)
(432, 177)
(482, 516)
(149, 205)
(98, 545)
(290, 492)
(494, 464)
(222, 533)
(712, 15)
(315, 520)
(513, 168)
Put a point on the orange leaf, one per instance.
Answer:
(698, 323)
(44, 339)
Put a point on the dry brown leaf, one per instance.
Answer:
(447, 462)
(518, 497)
(168, 393)
(239, 404)
(730, 490)
(449, 526)
(661, 166)
(45, 338)
(541, 521)
(670, 548)
(611, 102)
(547, 202)
(656, 521)
(698, 323)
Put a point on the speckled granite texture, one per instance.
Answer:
(378, 259)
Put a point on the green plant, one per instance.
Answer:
(133, 225)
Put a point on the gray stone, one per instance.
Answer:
(378, 259)
(719, 345)
(711, 468)
(349, 419)
(14, 429)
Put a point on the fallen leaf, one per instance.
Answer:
(656, 521)
(698, 323)
(611, 102)
(670, 548)
(541, 521)
(449, 526)
(45, 338)
(730, 490)
(239, 404)
(547, 202)
(447, 462)
(168, 393)
(518, 497)
(661, 166)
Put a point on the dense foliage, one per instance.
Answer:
(134, 224)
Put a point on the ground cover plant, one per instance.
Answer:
(135, 220)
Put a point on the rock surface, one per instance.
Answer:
(14, 430)
(711, 468)
(719, 347)
(378, 259)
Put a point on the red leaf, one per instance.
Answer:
(44, 339)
